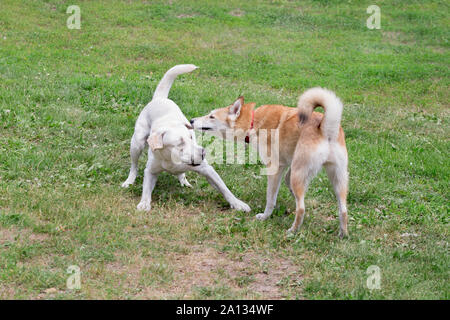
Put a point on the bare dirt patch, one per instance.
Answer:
(22, 236)
(249, 275)
(237, 13)
(195, 268)
(187, 15)
(396, 38)
(267, 283)
(7, 292)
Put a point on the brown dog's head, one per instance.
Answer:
(235, 117)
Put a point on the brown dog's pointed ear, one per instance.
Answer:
(155, 141)
(235, 109)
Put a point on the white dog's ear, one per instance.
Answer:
(235, 109)
(155, 140)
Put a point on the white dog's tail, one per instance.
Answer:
(331, 104)
(163, 88)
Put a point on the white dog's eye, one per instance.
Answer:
(212, 117)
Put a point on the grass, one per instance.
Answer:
(69, 99)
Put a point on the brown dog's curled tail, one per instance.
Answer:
(332, 105)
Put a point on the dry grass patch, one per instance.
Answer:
(249, 275)
(19, 236)
(237, 13)
(397, 38)
(187, 270)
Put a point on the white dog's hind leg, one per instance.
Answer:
(183, 180)
(136, 147)
(148, 186)
(214, 179)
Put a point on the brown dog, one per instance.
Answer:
(307, 141)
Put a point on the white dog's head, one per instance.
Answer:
(177, 144)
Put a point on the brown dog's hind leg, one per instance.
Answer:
(304, 168)
(299, 189)
(337, 173)
(287, 180)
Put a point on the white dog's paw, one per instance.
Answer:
(185, 183)
(240, 206)
(261, 216)
(127, 183)
(144, 205)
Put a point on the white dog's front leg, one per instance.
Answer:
(215, 180)
(148, 186)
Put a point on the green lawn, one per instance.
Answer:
(69, 100)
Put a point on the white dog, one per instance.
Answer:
(173, 147)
